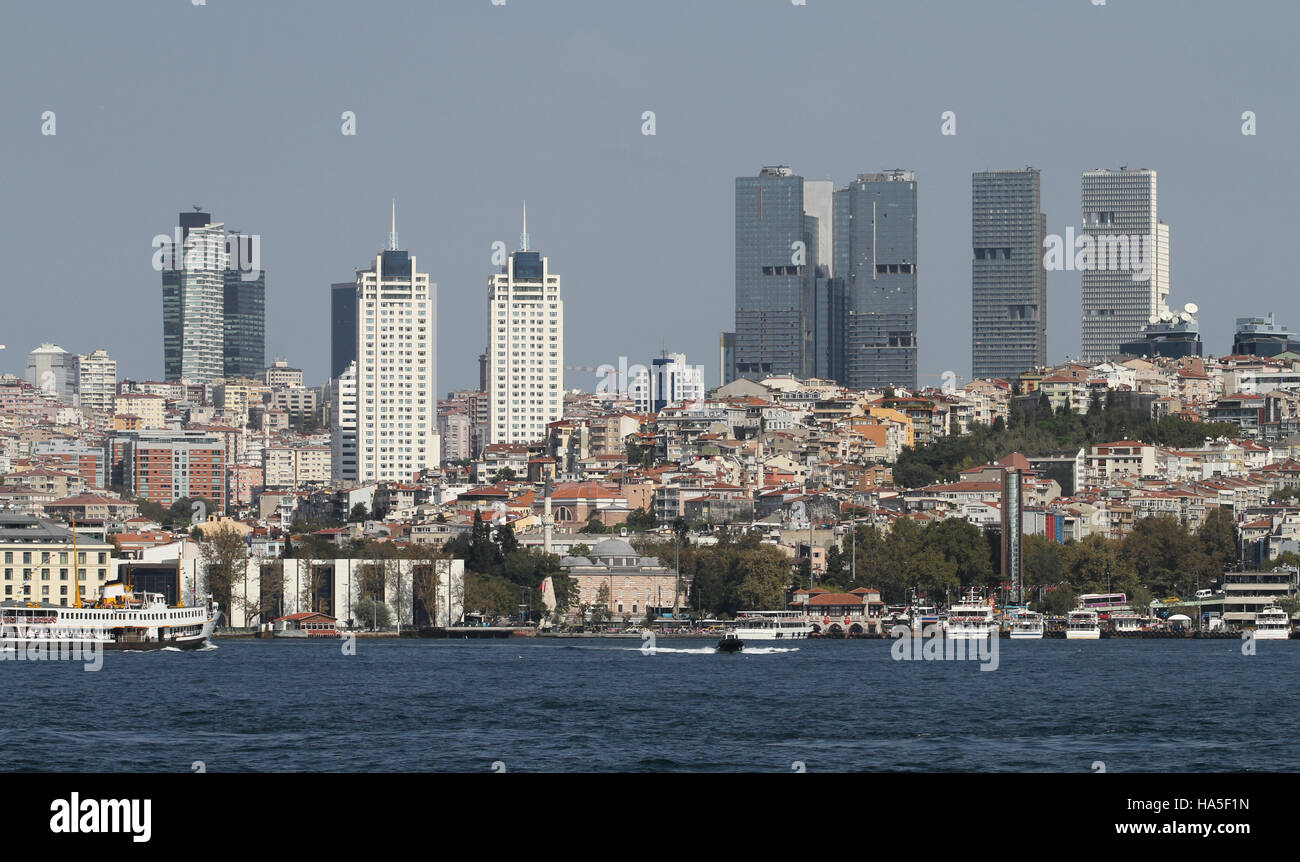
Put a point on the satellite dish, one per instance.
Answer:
(1191, 308)
(1166, 316)
(1153, 319)
(1186, 318)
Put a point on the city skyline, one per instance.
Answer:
(591, 136)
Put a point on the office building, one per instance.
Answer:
(1008, 275)
(875, 265)
(53, 370)
(1263, 336)
(343, 326)
(96, 385)
(1123, 259)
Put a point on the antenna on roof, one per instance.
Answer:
(523, 237)
(392, 233)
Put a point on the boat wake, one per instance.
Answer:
(708, 650)
(764, 650)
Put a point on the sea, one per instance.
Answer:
(614, 705)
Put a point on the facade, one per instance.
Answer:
(166, 466)
(343, 326)
(1008, 274)
(397, 422)
(193, 280)
(875, 265)
(52, 370)
(1122, 227)
(37, 564)
(669, 381)
(777, 242)
(280, 373)
(243, 313)
(96, 385)
(1262, 336)
(636, 586)
(526, 348)
(343, 426)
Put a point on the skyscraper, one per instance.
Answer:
(875, 260)
(777, 244)
(525, 347)
(214, 314)
(1008, 276)
(243, 313)
(343, 327)
(396, 382)
(1124, 259)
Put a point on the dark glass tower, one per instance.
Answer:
(776, 259)
(875, 259)
(244, 315)
(1008, 276)
(343, 326)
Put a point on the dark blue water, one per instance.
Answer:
(601, 705)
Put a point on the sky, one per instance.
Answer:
(466, 108)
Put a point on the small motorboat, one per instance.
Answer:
(730, 643)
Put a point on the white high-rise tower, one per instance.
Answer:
(525, 347)
(396, 374)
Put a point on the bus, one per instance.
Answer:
(1103, 602)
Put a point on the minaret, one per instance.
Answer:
(547, 522)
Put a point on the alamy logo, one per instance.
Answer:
(239, 251)
(1100, 253)
(132, 816)
(930, 644)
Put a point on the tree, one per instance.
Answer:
(396, 578)
(359, 514)
(225, 558)
(595, 525)
(373, 613)
(641, 520)
(580, 550)
(600, 610)
(505, 474)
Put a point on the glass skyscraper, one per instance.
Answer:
(1008, 275)
(874, 285)
(777, 243)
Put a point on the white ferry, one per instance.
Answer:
(1026, 625)
(922, 616)
(772, 626)
(1272, 624)
(970, 619)
(119, 619)
(1082, 625)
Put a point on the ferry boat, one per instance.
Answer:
(1272, 624)
(119, 619)
(772, 626)
(1082, 625)
(970, 619)
(922, 615)
(1026, 625)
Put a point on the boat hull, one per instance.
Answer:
(1026, 636)
(1082, 635)
(1272, 635)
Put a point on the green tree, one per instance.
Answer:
(372, 613)
(359, 514)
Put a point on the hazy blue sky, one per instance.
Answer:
(465, 108)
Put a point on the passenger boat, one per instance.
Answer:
(1026, 625)
(970, 619)
(1272, 624)
(1082, 625)
(772, 625)
(119, 619)
(922, 615)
